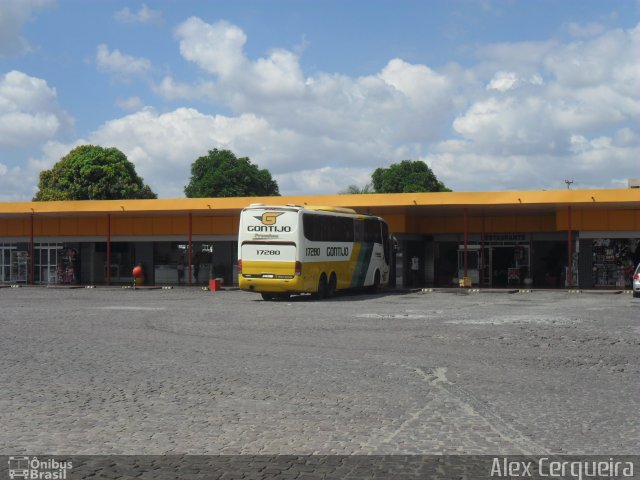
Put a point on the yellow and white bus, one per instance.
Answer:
(290, 249)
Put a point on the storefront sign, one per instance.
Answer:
(505, 237)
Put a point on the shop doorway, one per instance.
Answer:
(446, 264)
(501, 261)
(551, 260)
(506, 265)
(122, 260)
(46, 262)
(414, 265)
(13, 264)
(473, 263)
(5, 263)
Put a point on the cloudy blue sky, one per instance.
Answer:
(492, 95)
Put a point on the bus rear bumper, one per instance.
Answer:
(270, 285)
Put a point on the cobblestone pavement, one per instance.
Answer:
(111, 371)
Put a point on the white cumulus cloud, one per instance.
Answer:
(130, 103)
(584, 30)
(17, 184)
(550, 114)
(512, 116)
(215, 48)
(402, 101)
(13, 15)
(120, 65)
(163, 145)
(29, 111)
(525, 115)
(143, 15)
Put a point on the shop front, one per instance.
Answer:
(14, 258)
(494, 260)
(608, 261)
(163, 262)
(56, 264)
(73, 263)
(550, 239)
(504, 260)
(53, 263)
(210, 259)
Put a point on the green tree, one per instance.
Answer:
(91, 172)
(354, 189)
(406, 176)
(221, 174)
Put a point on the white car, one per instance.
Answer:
(636, 282)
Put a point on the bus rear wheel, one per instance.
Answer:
(267, 297)
(331, 287)
(376, 283)
(322, 288)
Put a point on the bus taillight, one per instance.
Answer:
(298, 269)
(240, 266)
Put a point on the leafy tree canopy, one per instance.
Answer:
(406, 176)
(221, 174)
(91, 172)
(354, 189)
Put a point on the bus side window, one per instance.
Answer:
(358, 230)
(312, 227)
(346, 230)
(319, 228)
(372, 231)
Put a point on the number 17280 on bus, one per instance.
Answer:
(290, 249)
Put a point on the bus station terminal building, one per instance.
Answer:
(542, 239)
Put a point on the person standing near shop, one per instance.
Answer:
(628, 273)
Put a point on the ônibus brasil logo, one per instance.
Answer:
(33, 468)
(268, 220)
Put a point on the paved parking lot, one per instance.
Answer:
(106, 371)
